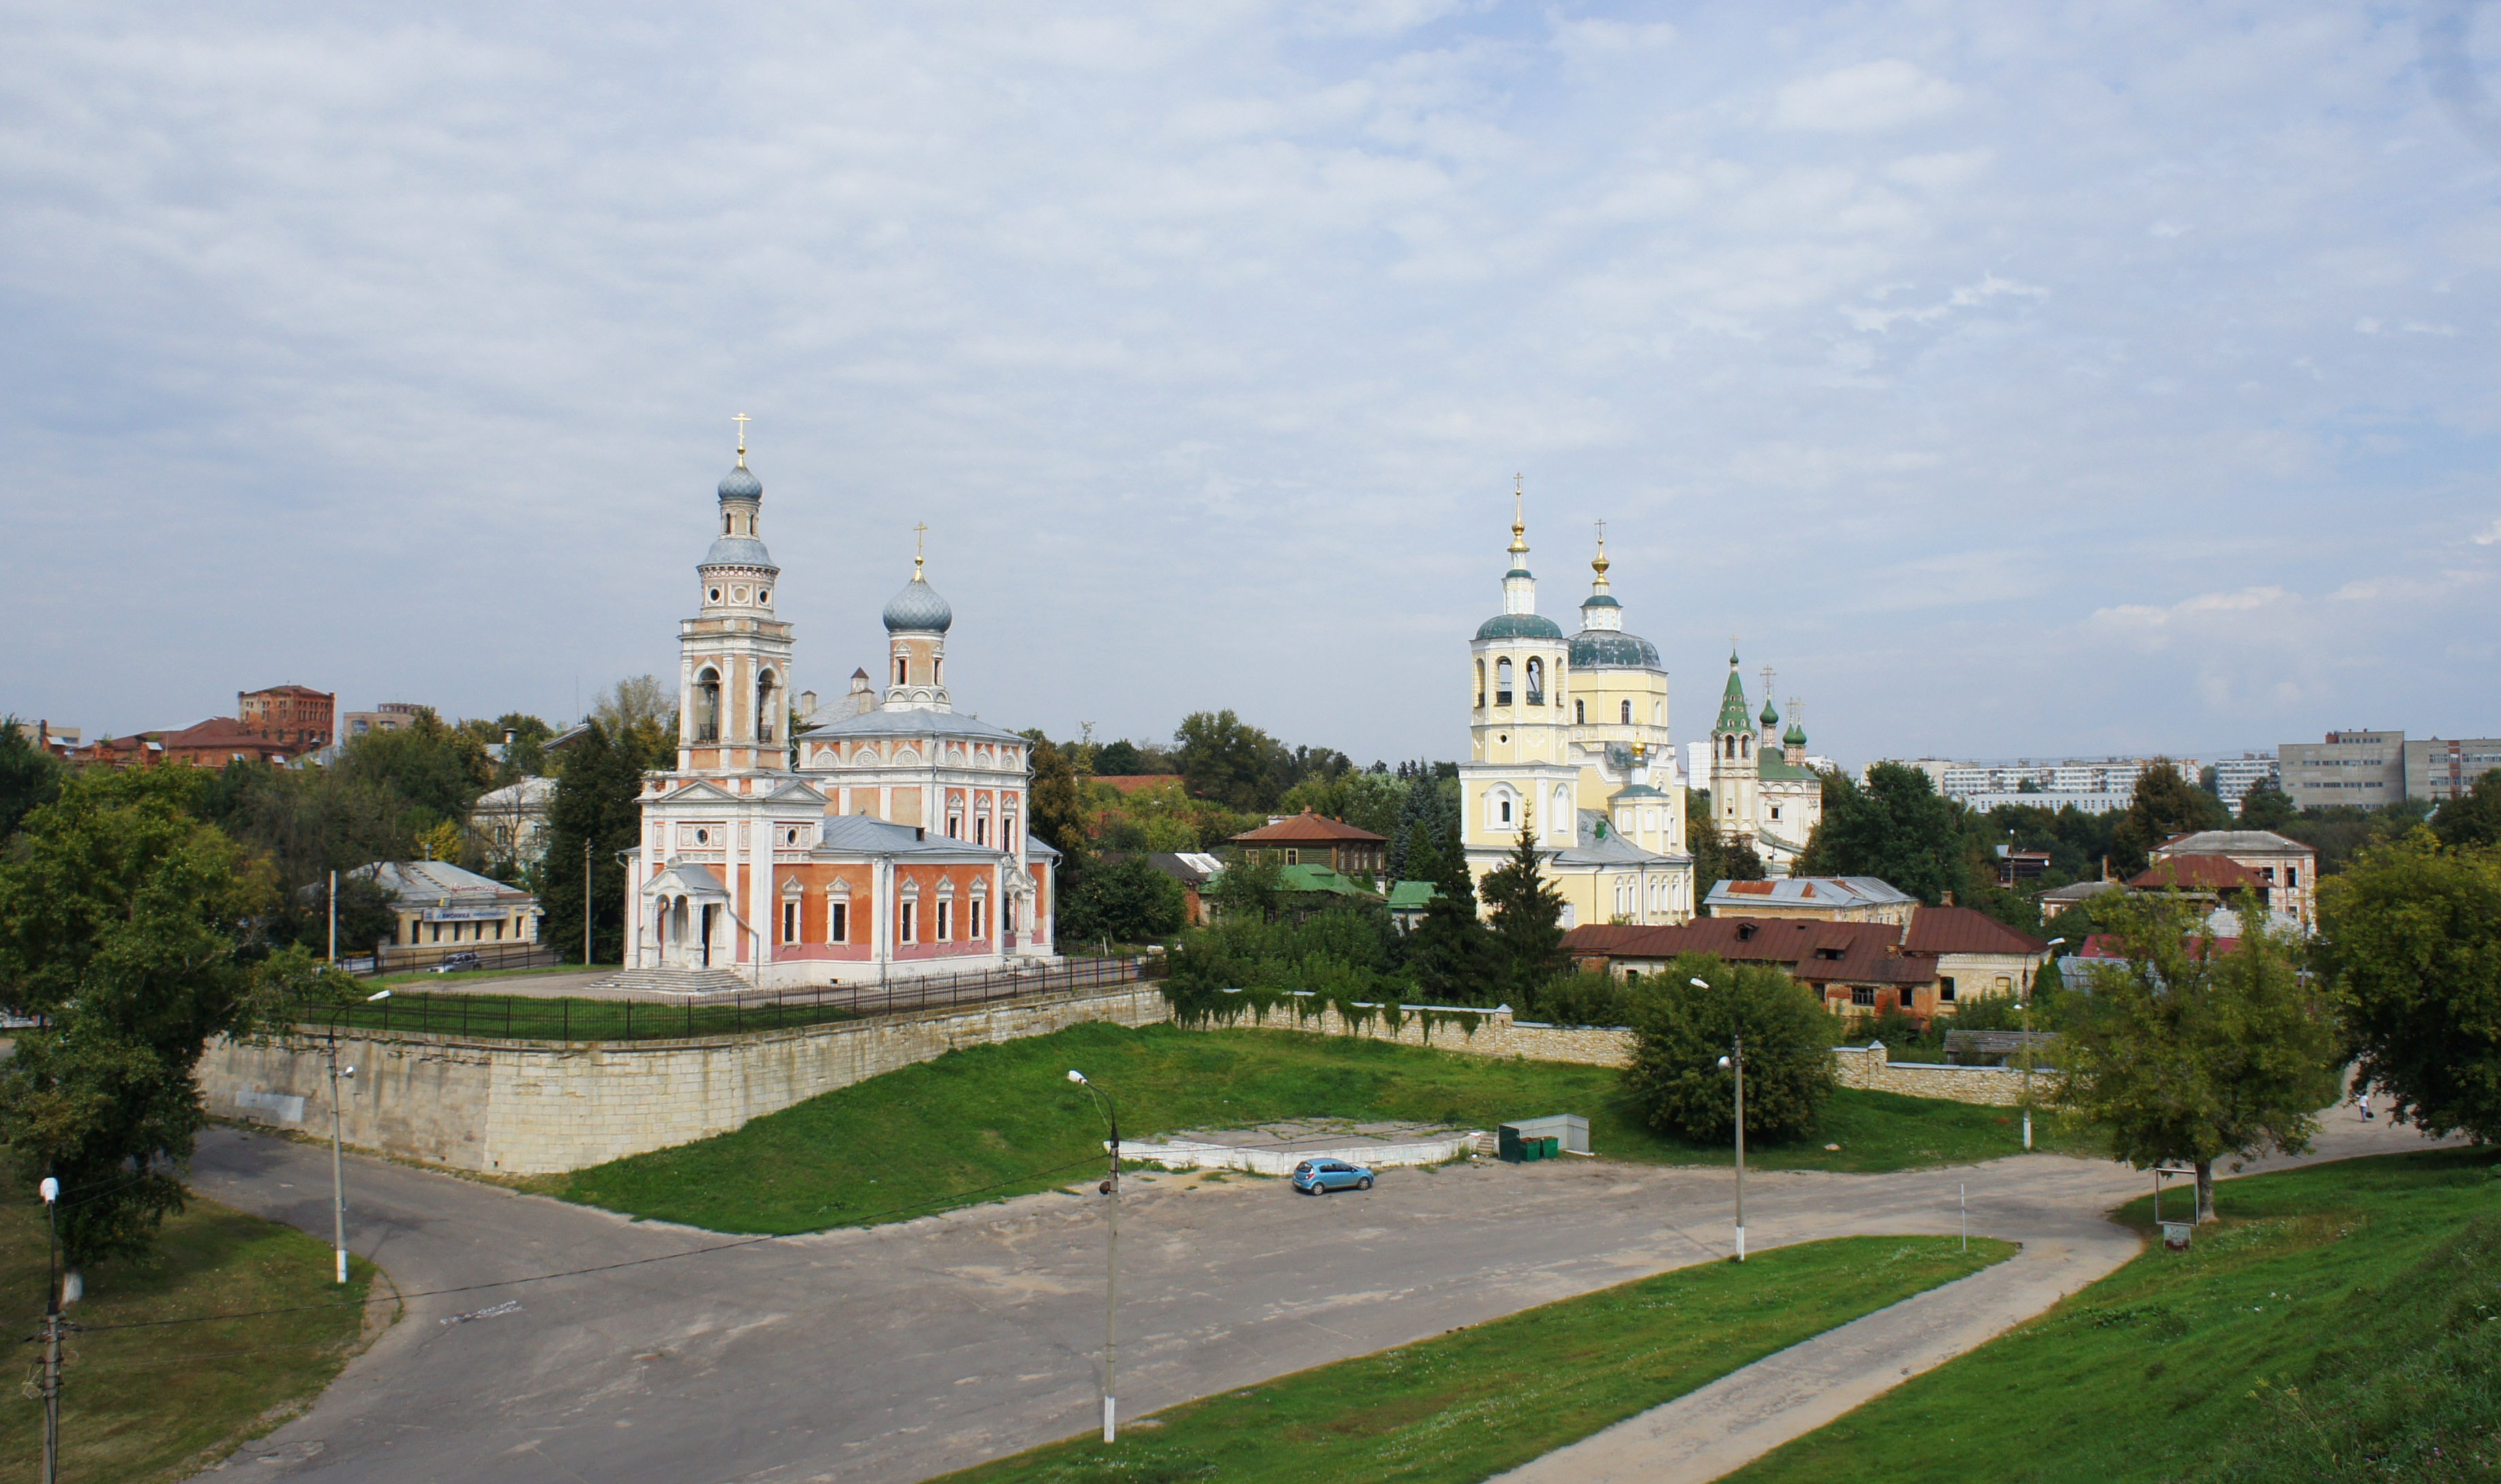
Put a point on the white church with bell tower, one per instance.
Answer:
(1568, 743)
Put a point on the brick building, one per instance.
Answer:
(302, 717)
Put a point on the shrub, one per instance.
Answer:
(1588, 998)
(1681, 1031)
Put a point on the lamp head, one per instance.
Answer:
(51, 1190)
(2055, 941)
(380, 995)
(1723, 1064)
(1075, 1075)
(347, 1071)
(1699, 983)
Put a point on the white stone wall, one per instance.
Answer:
(532, 1108)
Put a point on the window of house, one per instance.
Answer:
(905, 925)
(2292, 875)
(1864, 994)
(1829, 955)
(1946, 990)
(837, 923)
(789, 922)
(1906, 997)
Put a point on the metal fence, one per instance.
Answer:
(399, 958)
(524, 1018)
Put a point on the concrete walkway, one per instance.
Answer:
(1738, 1418)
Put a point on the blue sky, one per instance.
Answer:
(2016, 380)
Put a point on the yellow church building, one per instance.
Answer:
(1568, 739)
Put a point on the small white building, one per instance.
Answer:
(510, 820)
(444, 910)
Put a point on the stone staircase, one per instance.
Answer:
(681, 982)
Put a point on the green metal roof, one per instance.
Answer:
(1321, 878)
(1776, 765)
(1412, 896)
(1519, 626)
(1635, 791)
(1732, 703)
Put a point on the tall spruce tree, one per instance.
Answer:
(1527, 919)
(597, 804)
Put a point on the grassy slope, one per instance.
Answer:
(159, 1404)
(984, 1120)
(2343, 1322)
(1482, 1400)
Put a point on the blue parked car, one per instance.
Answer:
(1317, 1177)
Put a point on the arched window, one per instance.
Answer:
(1745, 745)
(1502, 682)
(1579, 712)
(708, 706)
(937, 671)
(1537, 682)
(1628, 713)
(768, 701)
(1498, 809)
(1560, 819)
(1481, 684)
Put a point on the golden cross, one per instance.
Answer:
(742, 419)
(919, 535)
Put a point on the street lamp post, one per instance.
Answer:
(1111, 1259)
(338, 1162)
(52, 1383)
(1735, 1061)
(2025, 1006)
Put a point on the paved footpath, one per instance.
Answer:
(898, 1352)
(1741, 1416)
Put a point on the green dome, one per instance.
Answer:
(1770, 716)
(1606, 649)
(1794, 737)
(1519, 626)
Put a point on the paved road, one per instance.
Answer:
(904, 1351)
(1718, 1428)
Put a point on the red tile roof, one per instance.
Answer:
(1307, 825)
(1965, 930)
(1813, 951)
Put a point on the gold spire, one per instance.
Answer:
(919, 537)
(742, 419)
(1598, 563)
(1518, 520)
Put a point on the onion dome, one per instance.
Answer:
(1794, 737)
(740, 482)
(1611, 650)
(918, 609)
(1770, 717)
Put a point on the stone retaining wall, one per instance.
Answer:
(537, 1107)
(1455, 1027)
(1873, 1067)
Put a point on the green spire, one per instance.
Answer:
(1732, 701)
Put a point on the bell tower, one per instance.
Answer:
(734, 655)
(1736, 768)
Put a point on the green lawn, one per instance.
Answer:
(1478, 1400)
(988, 1122)
(161, 1403)
(2341, 1322)
(532, 1017)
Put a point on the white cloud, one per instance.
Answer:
(2490, 535)
(1870, 96)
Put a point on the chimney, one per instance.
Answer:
(806, 703)
(508, 734)
(1948, 900)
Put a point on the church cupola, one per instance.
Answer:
(738, 572)
(734, 681)
(916, 621)
(1600, 610)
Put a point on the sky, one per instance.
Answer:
(2016, 380)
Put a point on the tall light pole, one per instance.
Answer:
(2025, 1006)
(585, 905)
(338, 1162)
(1111, 1258)
(1735, 1061)
(334, 917)
(51, 1382)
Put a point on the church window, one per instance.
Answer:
(708, 705)
(768, 698)
(702, 837)
(1776, 811)
(1745, 745)
(764, 595)
(980, 829)
(789, 922)
(1502, 808)
(1628, 713)
(902, 671)
(1502, 682)
(954, 827)
(725, 528)
(946, 923)
(938, 672)
(903, 933)
(838, 922)
(979, 903)
(715, 595)
(1579, 712)
(1536, 683)
(1480, 683)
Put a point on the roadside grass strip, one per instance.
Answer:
(149, 1404)
(985, 1119)
(2341, 1322)
(1492, 1397)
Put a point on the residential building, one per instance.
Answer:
(1568, 743)
(444, 910)
(2366, 770)
(1314, 839)
(2438, 770)
(2235, 777)
(2284, 873)
(1195, 871)
(298, 715)
(895, 842)
(1409, 902)
(1943, 958)
(2058, 898)
(2048, 799)
(2015, 867)
(1832, 899)
(510, 820)
(388, 717)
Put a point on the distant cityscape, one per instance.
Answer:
(2365, 770)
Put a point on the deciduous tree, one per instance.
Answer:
(2410, 941)
(2470, 819)
(2166, 803)
(1123, 899)
(29, 777)
(1897, 828)
(2192, 1055)
(1681, 1033)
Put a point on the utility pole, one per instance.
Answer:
(1735, 1061)
(586, 903)
(334, 917)
(1111, 1262)
(51, 1382)
(338, 1163)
